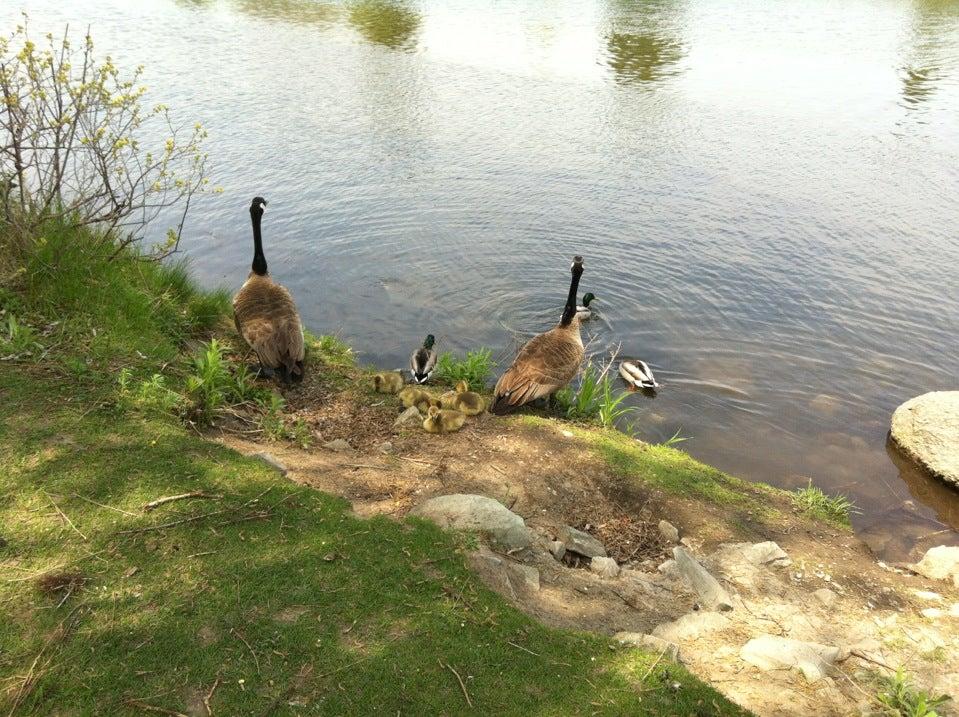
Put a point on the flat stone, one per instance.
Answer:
(667, 649)
(527, 575)
(557, 548)
(826, 596)
(576, 541)
(385, 447)
(410, 418)
(770, 652)
(339, 445)
(711, 593)
(926, 428)
(604, 567)
(669, 531)
(477, 512)
(928, 595)
(755, 554)
(940, 563)
(272, 462)
(691, 626)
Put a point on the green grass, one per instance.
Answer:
(676, 472)
(272, 592)
(475, 368)
(900, 696)
(834, 509)
(594, 399)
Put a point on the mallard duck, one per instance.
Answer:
(467, 401)
(443, 420)
(423, 361)
(584, 312)
(638, 374)
(547, 362)
(388, 382)
(265, 314)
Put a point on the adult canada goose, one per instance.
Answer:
(265, 314)
(547, 362)
(584, 312)
(423, 361)
(638, 374)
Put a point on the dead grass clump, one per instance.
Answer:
(627, 539)
(53, 583)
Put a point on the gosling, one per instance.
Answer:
(411, 396)
(387, 382)
(428, 402)
(467, 401)
(443, 421)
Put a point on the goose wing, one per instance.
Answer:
(544, 365)
(267, 319)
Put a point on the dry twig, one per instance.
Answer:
(152, 708)
(153, 504)
(63, 515)
(249, 647)
(460, 680)
(209, 696)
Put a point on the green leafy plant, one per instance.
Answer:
(150, 394)
(595, 399)
(213, 384)
(72, 126)
(475, 368)
(898, 694)
(329, 350)
(277, 427)
(17, 340)
(813, 501)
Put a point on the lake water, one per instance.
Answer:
(765, 193)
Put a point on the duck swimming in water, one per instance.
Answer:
(638, 374)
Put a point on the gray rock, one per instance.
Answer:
(711, 593)
(479, 513)
(408, 419)
(754, 554)
(826, 596)
(339, 445)
(385, 447)
(576, 541)
(927, 429)
(526, 575)
(557, 548)
(668, 531)
(604, 567)
(940, 563)
(667, 649)
(272, 462)
(769, 652)
(691, 625)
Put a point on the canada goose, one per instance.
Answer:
(411, 395)
(547, 362)
(638, 374)
(265, 314)
(387, 382)
(423, 361)
(584, 312)
(467, 401)
(443, 421)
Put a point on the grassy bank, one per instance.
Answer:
(257, 596)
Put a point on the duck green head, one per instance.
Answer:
(587, 298)
(428, 344)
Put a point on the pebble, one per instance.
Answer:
(557, 549)
(826, 596)
(576, 541)
(339, 445)
(668, 531)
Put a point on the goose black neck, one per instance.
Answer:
(570, 311)
(259, 260)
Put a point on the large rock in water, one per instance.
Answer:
(927, 429)
(479, 513)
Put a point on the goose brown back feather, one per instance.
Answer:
(544, 365)
(267, 319)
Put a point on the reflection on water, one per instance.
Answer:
(391, 23)
(757, 219)
(639, 48)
